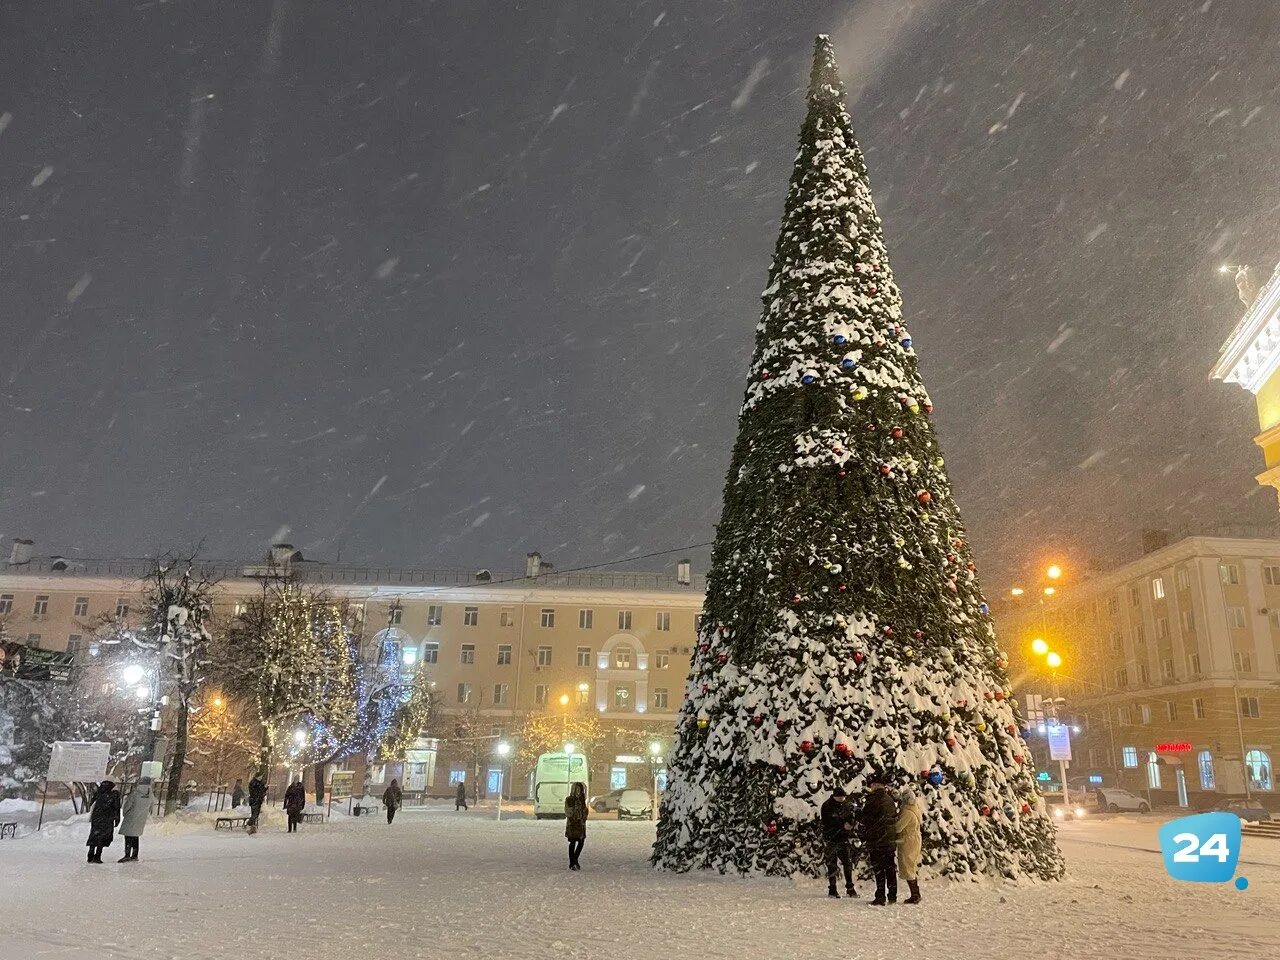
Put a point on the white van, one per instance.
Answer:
(552, 777)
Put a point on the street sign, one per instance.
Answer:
(1179, 746)
(341, 784)
(1059, 735)
(78, 761)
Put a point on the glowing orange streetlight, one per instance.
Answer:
(1053, 660)
(1054, 572)
(1039, 647)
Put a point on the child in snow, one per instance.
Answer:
(837, 835)
(575, 823)
(878, 820)
(133, 818)
(104, 814)
(909, 841)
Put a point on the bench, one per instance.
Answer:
(230, 823)
(366, 808)
(9, 830)
(313, 818)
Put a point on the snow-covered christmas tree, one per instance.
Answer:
(845, 638)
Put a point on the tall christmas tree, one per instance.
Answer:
(845, 638)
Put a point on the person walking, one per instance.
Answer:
(460, 799)
(878, 819)
(295, 801)
(837, 835)
(237, 794)
(909, 841)
(104, 814)
(575, 823)
(133, 818)
(392, 798)
(257, 795)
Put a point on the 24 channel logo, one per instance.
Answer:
(1203, 848)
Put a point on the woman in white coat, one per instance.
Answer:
(909, 842)
(133, 818)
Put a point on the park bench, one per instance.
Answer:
(230, 823)
(313, 818)
(9, 830)
(366, 808)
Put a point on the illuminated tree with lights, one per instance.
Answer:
(845, 638)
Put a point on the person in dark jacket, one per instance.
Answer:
(237, 794)
(879, 822)
(295, 801)
(575, 823)
(460, 800)
(104, 814)
(257, 795)
(392, 797)
(837, 835)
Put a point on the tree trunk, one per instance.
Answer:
(179, 762)
(319, 781)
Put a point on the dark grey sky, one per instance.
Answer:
(437, 283)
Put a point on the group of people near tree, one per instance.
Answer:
(108, 810)
(887, 833)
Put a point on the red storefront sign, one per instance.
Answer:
(1179, 746)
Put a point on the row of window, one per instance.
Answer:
(546, 617)
(1248, 707)
(1241, 660)
(661, 697)
(41, 606)
(1257, 765)
(622, 658)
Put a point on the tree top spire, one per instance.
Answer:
(824, 80)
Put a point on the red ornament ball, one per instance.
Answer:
(1026, 808)
(843, 587)
(999, 694)
(806, 746)
(842, 749)
(971, 565)
(888, 630)
(859, 657)
(985, 810)
(1011, 729)
(703, 647)
(772, 828)
(951, 742)
(896, 433)
(1018, 758)
(843, 474)
(924, 496)
(928, 408)
(918, 634)
(886, 469)
(796, 598)
(723, 658)
(757, 719)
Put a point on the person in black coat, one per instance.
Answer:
(878, 820)
(257, 795)
(392, 798)
(237, 794)
(295, 801)
(460, 802)
(837, 835)
(104, 814)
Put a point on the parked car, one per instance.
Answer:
(635, 805)
(1250, 810)
(1063, 811)
(1113, 800)
(604, 802)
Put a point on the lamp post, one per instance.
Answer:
(503, 749)
(1046, 589)
(1053, 660)
(564, 717)
(655, 759)
(133, 674)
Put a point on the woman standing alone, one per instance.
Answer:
(575, 826)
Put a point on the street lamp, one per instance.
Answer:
(1053, 660)
(503, 749)
(132, 674)
(1039, 647)
(655, 758)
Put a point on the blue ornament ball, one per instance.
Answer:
(1008, 812)
(808, 378)
(848, 363)
(983, 609)
(935, 777)
(906, 342)
(839, 338)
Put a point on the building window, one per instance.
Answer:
(1144, 673)
(6, 603)
(1130, 755)
(1243, 661)
(544, 656)
(1193, 664)
(540, 695)
(1153, 771)
(456, 777)
(468, 653)
(435, 615)
(1188, 621)
(1271, 575)
(621, 698)
(624, 619)
(74, 642)
(395, 616)
(464, 693)
(500, 694)
(1229, 573)
(622, 658)
(1135, 596)
(548, 616)
(1197, 708)
(1258, 763)
(122, 608)
(1162, 627)
(661, 660)
(1140, 633)
(1171, 710)
(586, 619)
(1144, 714)
(82, 607)
(33, 639)
(1124, 716)
(1113, 605)
(1157, 588)
(430, 652)
(41, 607)
(506, 617)
(1117, 641)
(1122, 678)
(1166, 668)
(1184, 578)
(471, 616)
(504, 654)
(664, 620)
(582, 697)
(1249, 708)
(584, 656)
(660, 699)
(1205, 763)
(1235, 617)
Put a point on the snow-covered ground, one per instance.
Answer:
(454, 885)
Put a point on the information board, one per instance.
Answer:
(78, 761)
(341, 783)
(1059, 735)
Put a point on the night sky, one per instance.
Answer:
(438, 283)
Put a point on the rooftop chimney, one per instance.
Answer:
(283, 555)
(532, 564)
(21, 552)
(684, 573)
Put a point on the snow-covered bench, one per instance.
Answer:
(230, 823)
(313, 818)
(366, 808)
(9, 830)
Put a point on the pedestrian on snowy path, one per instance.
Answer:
(575, 823)
(909, 841)
(295, 801)
(460, 800)
(392, 797)
(878, 819)
(257, 794)
(104, 814)
(133, 818)
(237, 794)
(837, 835)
